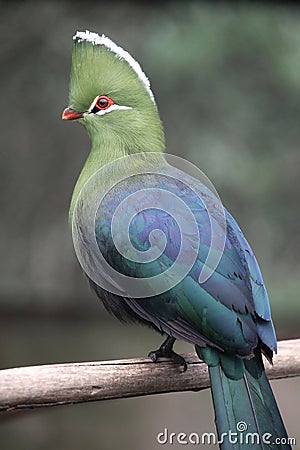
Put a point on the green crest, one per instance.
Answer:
(100, 67)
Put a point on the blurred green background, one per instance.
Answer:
(226, 77)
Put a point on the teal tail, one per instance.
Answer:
(246, 411)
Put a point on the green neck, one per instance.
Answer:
(109, 144)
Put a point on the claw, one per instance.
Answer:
(166, 351)
(153, 355)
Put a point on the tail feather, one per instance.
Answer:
(247, 415)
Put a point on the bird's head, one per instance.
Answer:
(110, 95)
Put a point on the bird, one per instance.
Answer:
(135, 216)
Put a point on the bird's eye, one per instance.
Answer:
(102, 102)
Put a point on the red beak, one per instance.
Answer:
(69, 114)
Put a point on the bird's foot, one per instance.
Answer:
(166, 351)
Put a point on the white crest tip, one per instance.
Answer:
(96, 39)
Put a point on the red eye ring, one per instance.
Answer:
(103, 102)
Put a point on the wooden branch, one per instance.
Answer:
(59, 384)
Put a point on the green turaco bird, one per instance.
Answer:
(134, 216)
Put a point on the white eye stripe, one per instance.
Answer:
(113, 107)
(93, 104)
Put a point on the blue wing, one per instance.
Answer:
(230, 310)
